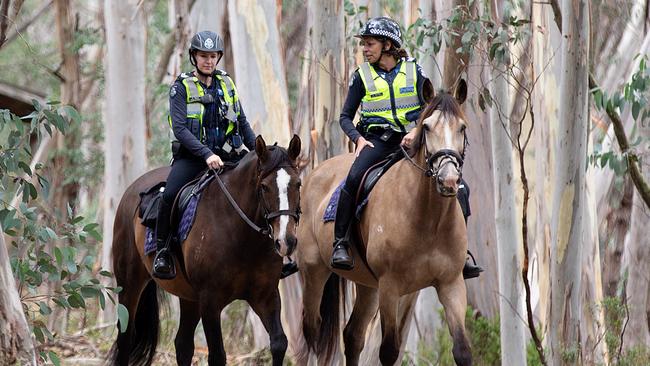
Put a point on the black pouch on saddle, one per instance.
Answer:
(149, 203)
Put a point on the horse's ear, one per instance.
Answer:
(461, 91)
(294, 148)
(260, 147)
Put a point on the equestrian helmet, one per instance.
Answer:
(382, 27)
(206, 41)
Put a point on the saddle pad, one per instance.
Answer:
(183, 230)
(330, 210)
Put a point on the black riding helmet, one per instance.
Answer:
(206, 41)
(382, 27)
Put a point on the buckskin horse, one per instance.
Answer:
(414, 235)
(222, 259)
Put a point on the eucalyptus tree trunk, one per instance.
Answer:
(571, 229)
(124, 113)
(16, 343)
(260, 67)
(324, 81)
(511, 309)
(637, 260)
(65, 190)
(455, 63)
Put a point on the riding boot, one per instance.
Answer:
(469, 270)
(341, 258)
(163, 262)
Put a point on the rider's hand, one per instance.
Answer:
(407, 140)
(361, 143)
(214, 162)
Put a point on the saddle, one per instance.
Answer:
(370, 179)
(183, 210)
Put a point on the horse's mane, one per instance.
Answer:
(442, 102)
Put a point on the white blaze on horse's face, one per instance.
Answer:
(284, 247)
(444, 131)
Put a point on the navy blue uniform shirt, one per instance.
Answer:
(214, 124)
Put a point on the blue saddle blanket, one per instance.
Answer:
(330, 210)
(183, 230)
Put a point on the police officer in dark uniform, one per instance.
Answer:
(209, 127)
(391, 89)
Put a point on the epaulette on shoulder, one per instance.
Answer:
(184, 75)
(411, 59)
(221, 72)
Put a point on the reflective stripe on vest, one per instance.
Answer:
(377, 103)
(196, 110)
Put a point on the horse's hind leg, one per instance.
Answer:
(184, 340)
(268, 309)
(453, 297)
(365, 307)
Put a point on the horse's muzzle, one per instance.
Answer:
(448, 185)
(285, 247)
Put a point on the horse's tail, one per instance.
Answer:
(137, 346)
(330, 310)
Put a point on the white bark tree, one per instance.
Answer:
(571, 229)
(511, 308)
(260, 67)
(124, 113)
(16, 343)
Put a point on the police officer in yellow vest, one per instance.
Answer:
(209, 127)
(391, 90)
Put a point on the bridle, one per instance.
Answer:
(266, 229)
(442, 156)
(268, 214)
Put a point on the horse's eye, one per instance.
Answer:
(425, 126)
(265, 188)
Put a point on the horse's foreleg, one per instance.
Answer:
(210, 312)
(268, 309)
(365, 307)
(453, 297)
(184, 340)
(388, 305)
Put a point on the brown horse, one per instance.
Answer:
(415, 236)
(222, 259)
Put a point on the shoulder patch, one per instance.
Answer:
(172, 91)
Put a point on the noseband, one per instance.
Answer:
(267, 229)
(268, 214)
(442, 156)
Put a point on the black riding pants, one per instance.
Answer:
(368, 157)
(183, 171)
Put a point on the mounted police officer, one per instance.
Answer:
(209, 127)
(392, 90)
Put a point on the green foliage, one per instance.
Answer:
(484, 335)
(36, 261)
(635, 97)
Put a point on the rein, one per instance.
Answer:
(266, 231)
(233, 203)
